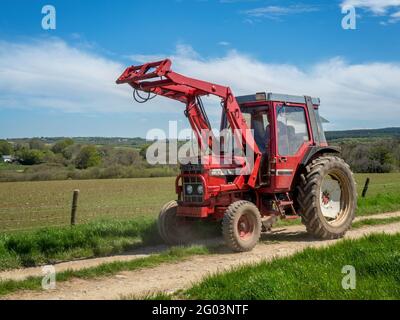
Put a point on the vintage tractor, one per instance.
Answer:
(294, 173)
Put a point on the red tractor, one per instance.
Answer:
(294, 173)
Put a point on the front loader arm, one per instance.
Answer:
(175, 86)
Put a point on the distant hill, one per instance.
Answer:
(364, 134)
(137, 142)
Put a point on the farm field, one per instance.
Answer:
(30, 205)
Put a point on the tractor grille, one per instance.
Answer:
(192, 168)
(194, 181)
(195, 196)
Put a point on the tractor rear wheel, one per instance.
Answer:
(241, 226)
(174, 230)
(327, 197)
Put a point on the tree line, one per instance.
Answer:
(67, 159)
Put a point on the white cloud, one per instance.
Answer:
(353, 95)
(376, 6)
(53, 75)
(279, 11)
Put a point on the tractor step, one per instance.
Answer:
(285, 203)
(282, 205)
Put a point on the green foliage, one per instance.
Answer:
(313, 274)
(36, 144)
(30, 157)
(5, 148)
(60, 146)
(379, 156)
(88, 156)
(143, 150)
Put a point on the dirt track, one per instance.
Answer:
(171, 277)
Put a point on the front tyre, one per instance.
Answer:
(174, 230)
(241, 226)
(327, 197)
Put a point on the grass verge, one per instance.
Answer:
(313, 274)
(102, 238)
(379, 203)
(373, 222)
(108, 269)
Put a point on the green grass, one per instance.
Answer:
(374, 222)
(108, 269)
(101, 238)
(379, 203)
(22, 249)
(313, 274)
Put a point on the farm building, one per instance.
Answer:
(8, 158)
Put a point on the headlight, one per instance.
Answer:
(200, 189)
(189, 189)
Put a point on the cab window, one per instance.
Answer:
(292, 129)
(257, 120)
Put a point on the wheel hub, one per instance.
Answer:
(245, 227)
(330, 198)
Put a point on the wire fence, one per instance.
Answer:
(61, 216)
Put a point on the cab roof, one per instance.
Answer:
(263, 96)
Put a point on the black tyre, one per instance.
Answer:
(241, 226)
(327, 197)
(174, 230)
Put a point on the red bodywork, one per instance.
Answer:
(218, 193)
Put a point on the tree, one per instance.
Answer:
(5, 148)
(30, 157)
(143, 150)
(37, 144)
(61, 145)
(88, 157)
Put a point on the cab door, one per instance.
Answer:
(292, 142)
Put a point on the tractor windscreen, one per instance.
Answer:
(257, 120)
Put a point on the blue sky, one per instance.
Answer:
(61, 82)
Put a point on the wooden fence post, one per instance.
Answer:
(74, 207)
(364, 192)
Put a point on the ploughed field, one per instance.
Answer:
(30, 205)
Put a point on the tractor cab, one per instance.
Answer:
(285, 129)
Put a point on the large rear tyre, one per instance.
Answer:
(241, 226)
(174, 230)
(327, 197)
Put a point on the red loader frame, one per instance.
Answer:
(186, 90)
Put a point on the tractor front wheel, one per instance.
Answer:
(241, 226)
(174, 230)
(327, 197)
